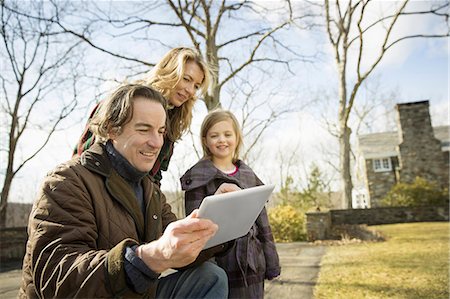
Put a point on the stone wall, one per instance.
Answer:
(17, 214)
(13, 237)
(389, 215)
(319, 225)
(12, 243)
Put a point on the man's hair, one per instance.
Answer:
(213, 118)
(165, 76)
(116, 111)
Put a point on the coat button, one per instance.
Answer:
(97, 163)
(155, 216)
(188, 181)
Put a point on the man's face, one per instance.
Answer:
(142, 138)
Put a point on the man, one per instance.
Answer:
(101, 228)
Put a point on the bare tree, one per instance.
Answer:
(243, 41)
(35, 67)
(234, 37)
(348, 25)
(218, 29)
(204, 22)
(286, 161)
(375, 111)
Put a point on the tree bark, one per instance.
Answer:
(345, 162)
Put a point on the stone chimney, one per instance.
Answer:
(420, 153)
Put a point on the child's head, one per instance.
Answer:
(221, 127)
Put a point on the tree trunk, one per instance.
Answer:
(10, 173)
(346, 177)
(344, 135)
(4, 199)
(212, 99)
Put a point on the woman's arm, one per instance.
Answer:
(87, 138)
(162, 163)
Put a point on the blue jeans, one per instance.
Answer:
(206, 281)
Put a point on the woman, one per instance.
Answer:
(181, 76)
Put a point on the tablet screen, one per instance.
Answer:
(234, 212)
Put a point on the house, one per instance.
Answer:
(416, 149)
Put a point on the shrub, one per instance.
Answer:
(418, 193)
(287, 223)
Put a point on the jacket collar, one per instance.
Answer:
(96, 160)
(204, 171)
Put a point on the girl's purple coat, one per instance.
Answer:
(254, 258)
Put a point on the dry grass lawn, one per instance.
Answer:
(412, 263)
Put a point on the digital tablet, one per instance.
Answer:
(234, 212)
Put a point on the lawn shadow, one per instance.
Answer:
(385, 291)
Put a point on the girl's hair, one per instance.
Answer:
(213, 118)
(117, 110)
(167, 73)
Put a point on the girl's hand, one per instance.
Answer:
(227, 187)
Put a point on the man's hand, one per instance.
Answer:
(180, 244)
(182, 240)
(227, 187)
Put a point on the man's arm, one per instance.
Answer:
(180, 244)
(63, 236)
(182, 241)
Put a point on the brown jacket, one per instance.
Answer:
(83, 218)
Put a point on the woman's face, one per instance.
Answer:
(189, 84)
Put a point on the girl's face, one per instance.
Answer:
(221, 140)
(189, 84)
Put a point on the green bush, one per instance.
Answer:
(287, 223)
(418, 193)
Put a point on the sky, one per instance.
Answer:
(414, 71)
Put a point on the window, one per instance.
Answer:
(360, 198)
(383, 164)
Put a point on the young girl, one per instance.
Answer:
(180, 76)
(254, 257)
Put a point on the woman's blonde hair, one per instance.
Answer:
(165, 76)
(213, 118)
(117, 110)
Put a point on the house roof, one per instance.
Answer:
(379, 145)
